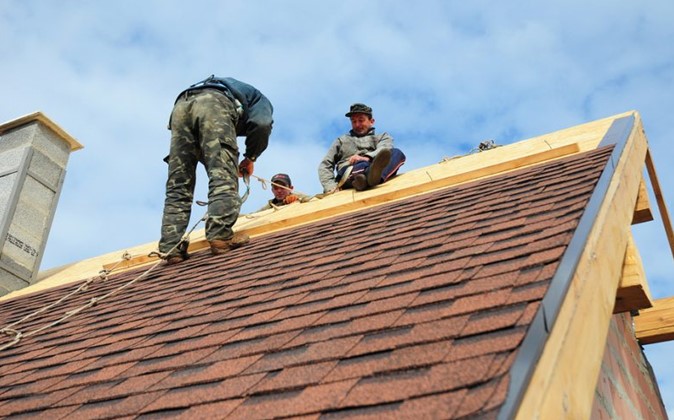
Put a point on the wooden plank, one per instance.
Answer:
(565, 377)
(656, 324)
(433, 178)
(633, 292)
(334, 205)
(642, 210)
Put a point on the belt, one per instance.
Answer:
(193, 92)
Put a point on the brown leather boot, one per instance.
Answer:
(180, 253)
(220, 246)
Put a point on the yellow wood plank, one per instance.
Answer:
(656, 324)
(350, 200)
(642, 210)
(564, 379)
(633, 292)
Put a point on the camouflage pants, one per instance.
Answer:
(202, 129)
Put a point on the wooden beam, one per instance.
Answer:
(656, 324)
(633, 293)
(642, 210)
(662, 207)
(565, 377)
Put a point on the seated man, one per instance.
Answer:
(282, 188)
(370, 157)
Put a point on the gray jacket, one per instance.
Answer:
(346, 146)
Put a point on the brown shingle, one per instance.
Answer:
(418, 309)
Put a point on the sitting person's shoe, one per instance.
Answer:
(377, 166)
(220, 246)
(359, 182)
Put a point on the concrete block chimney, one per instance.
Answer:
(34, 153)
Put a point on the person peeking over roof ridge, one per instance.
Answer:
(371, 157)
(282, 188)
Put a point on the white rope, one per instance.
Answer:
(103, 274)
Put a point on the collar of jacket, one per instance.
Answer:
(370, 132)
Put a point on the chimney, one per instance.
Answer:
(34, 152)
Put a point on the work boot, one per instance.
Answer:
(180, 253)
(175, 259)
(377, 167)
(220, 246)
(359, 182)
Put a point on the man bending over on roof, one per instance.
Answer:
(282, 188)
(370, 157)
(205, 121)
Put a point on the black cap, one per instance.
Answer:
(359, 109)
(282, 179)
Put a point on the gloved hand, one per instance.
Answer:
(246, 167)
(290, 199)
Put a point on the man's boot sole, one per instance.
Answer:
(377, 167)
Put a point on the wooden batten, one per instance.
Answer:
(633, 293)
(656, 324)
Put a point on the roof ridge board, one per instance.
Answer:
(381, 196)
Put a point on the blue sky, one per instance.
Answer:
(441, 76)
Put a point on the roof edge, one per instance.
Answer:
(545, 343)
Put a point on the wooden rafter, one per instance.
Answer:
(656, 324)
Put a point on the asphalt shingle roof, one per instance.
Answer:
(414, 308)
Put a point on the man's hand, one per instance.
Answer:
(246, 167)
(358, 158)
(290, 199)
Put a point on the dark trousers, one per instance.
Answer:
(397, 160)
